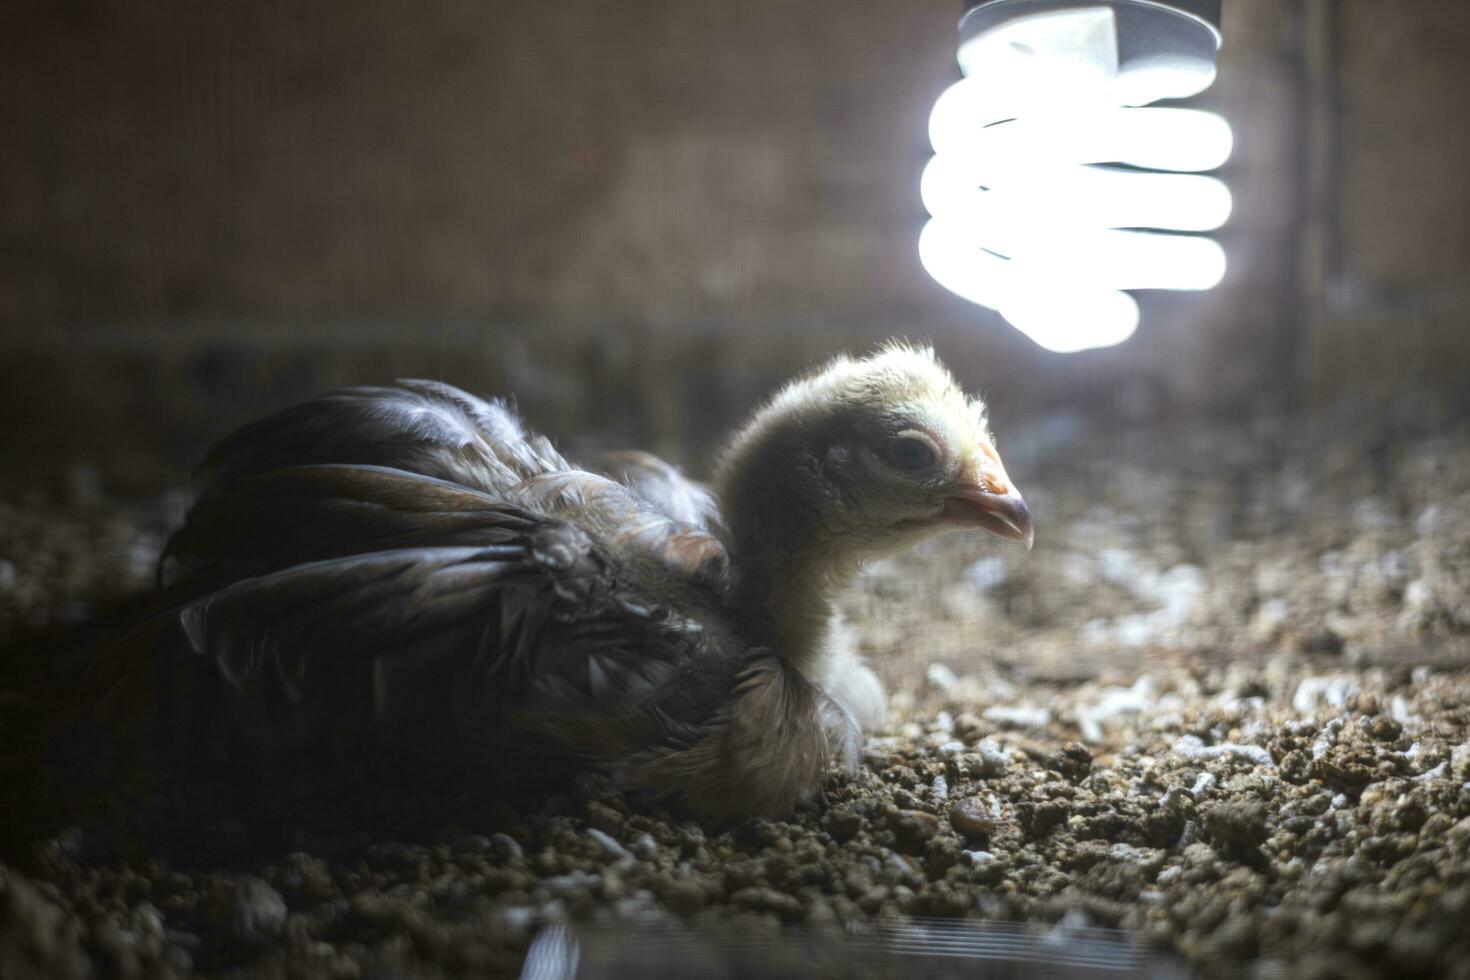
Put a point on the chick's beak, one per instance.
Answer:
(984, 497)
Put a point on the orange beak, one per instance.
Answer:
(985, 498)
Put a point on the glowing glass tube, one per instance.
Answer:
(1052, 190)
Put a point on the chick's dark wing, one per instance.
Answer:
(269, 521)
(541, 628)
(425, 427)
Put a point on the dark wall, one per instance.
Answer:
(1389, 281)
(551, 159)
(208, 208)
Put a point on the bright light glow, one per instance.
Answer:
(1159, 139)
(1072, 321)
(1126, 260)
(1051, 192)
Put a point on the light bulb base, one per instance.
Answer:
(1205, 10)
(1168, 48)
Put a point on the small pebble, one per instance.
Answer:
(250, 913)
(843, 824)
(913, 827)
(972, 818)
(941, 676)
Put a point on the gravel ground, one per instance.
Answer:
(1224, 705)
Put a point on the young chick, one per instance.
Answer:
(407, 565)
(858, 461)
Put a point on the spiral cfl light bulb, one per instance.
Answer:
(1055, 188)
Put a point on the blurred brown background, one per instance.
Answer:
(639, 216)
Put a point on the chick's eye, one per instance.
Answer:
(910, 453)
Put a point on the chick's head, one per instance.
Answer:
(878, 453)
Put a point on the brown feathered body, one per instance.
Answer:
(407, 567)
(408, 564)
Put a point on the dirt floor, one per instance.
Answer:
(1224, 706)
